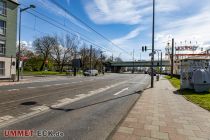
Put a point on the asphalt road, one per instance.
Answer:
(82, 108)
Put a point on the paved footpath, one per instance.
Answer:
(161, 114)
(31, 79)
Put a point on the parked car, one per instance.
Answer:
(91, 73)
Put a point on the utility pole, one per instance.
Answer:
(172, 57)
(75, 61)
(140, 61)
(19, 37)
(153, 45)
(102, 68)
(133, 62)
(90, 57)
(161, 62)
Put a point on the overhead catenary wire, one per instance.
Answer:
(78, 19)
(84, 39)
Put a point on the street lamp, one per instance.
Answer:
(153, 45)
(102, 68)
(20, 12)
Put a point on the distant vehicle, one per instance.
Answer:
(69, 71)
(91, 73)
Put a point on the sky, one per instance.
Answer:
(126, 24)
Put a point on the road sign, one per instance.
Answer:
(152, 53)
(76, 63)
(20, 64)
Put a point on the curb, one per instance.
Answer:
(123, 118)
(126, 114)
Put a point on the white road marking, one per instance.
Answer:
(65, 83)
(31, 87)
(46, 85)
(121, 91)
(66, 101)
(40, 108)
(57, 84)
(6, 118)
(74, 82)
(13, 90)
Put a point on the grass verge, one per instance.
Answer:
(36, 73)
(202, 99)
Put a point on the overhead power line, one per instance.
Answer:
(78, 19)
(61, 28)
(84, 38)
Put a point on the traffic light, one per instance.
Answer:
(144, 48)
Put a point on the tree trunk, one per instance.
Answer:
(42, 66)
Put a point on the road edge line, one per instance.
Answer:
(109, 137)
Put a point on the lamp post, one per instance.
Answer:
(20, 12)
(102, 68)
(133, 62)
(153, 45)
(159, 60)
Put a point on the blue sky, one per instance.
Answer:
(127, 23)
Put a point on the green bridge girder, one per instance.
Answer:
(165, 63)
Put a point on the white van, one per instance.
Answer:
(91, 73)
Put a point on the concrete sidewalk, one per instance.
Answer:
(31, 79)
(161, 114)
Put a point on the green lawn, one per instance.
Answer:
(202, 99)
(174, 81)
(28, 73)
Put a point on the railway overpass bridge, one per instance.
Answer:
(116, 66)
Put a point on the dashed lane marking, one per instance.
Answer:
(6, 118)
(66, 101)
(121, 91)
(13, 90)
(47, 86)
(31, 87)
(65, 83)
(57, 84)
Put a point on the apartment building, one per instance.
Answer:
(8, 31)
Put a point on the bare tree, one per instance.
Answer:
(85, 56)
(43, 46)
(64, 51)
(95, 58)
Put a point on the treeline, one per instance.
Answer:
(56, 53)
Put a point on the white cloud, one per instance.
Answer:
(122, 11)
(195, 28)
(128, 11)
(25, 44)
(129, 36)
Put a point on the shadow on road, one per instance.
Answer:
(29, 103)
(72, 109)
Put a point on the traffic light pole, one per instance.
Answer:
(153, 45)
(161, 62)
(90, 57)
(172, 58)
(133, 62)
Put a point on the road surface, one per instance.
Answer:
(79, 108)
